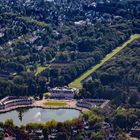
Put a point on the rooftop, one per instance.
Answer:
(63, 89)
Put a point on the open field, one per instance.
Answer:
(40, 69)
(77, 82)
(55, 103)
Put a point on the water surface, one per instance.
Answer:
(39, 115)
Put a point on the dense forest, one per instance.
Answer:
(119, 79)
(48, 43)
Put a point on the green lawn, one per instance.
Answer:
(40, 69)
(55, 104)
(77, 82)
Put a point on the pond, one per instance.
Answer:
(39, 115)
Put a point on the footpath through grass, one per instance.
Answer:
(77, 82)
(55, 104)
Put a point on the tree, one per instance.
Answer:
(134, 98)
(61, 136)
(79, 137)
(47, 95)
(120, 120)
(1, 135)
(9, 123)
(93, 119)
(45, 134)
(97, 135)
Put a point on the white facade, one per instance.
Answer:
(12, 101)
(62, 92)
(89, 103)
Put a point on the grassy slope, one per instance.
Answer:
(77, 82)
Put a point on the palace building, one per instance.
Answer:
(62, 92)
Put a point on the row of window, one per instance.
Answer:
(14, 103)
